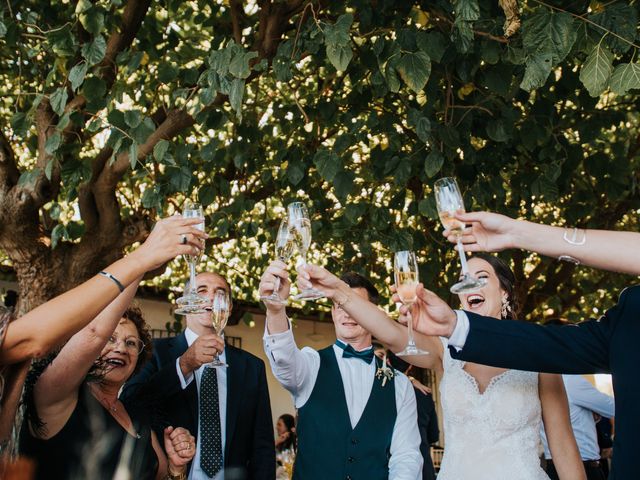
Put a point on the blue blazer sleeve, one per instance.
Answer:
(573, 349)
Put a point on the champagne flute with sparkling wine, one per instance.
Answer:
(220, 307)
(300, 225)
(449, 201)
(405, 270)
(285, 248)
(191, 301)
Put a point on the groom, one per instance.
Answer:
(351, 424)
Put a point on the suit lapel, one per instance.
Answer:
(235, 378)
(177, 347)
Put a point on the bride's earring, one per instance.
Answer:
(505, 308)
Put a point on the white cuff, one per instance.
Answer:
(459, 336)
(184, 382)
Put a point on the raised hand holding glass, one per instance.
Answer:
(405, 271)
(191, 302)
(220, 309)
(300, 225)
(285, 248)
(449, 201)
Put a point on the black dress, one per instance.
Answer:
(91, 444)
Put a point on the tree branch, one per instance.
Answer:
(132, 17)
(9, 172)
(236, 13)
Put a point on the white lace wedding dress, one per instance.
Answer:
(492, 435)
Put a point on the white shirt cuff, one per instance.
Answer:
(459, 336)
(184, 382)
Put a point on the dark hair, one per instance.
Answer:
(291, 441)
(134, 315)
(355, 280)
(507, 281)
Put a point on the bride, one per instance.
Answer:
(492, 415)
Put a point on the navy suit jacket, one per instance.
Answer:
(610, 344)
(249, 452)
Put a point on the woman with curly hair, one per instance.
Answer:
(77, 428)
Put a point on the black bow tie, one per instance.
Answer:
(350, 352)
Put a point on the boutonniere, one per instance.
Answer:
(384, 372)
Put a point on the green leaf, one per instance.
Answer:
(433, 43)
(497, 131)
(537, 70)
(28, 177)
(94, 89)
(295, 172)
(239, 65)
(52, 143)
(167, 72)
(327, 163)
(343, 183)
(58, 100)
(94, 52)
(620, 18)
(467, 10)
(3, 29)
(338, 42)
(19, 123)
(160, 150)
(339, 56)
(206, 194)
(462, 35)
(433, 163)
(596, 70)
(59, 232)
(77, 74)
(415, 68)
(625, 77)
(133, 118)
(549, 32)
(235, 95)
(92, 20)
(82, 6)
(423, 129)
(152, 198)
(48, 169)
(133, 154)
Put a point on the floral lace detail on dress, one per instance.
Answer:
(493, 435)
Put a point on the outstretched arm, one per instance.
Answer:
(55, 393)
(295, 369)
(368, 315)
(603, 249)
(47, 326)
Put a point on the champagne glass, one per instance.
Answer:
(405, 272)
(220, 307)
(449, 201)
(300, 226)
(285, 247)
(191, 301)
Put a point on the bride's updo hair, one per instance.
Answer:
(507, 281)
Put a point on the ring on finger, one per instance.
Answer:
(183, 239)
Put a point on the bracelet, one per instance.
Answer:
(577, 237)
(113, 279)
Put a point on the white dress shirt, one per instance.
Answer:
(297, 371)
(584, 399)
(196, 473)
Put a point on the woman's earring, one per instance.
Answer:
(505, 309)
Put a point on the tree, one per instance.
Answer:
(115, 111)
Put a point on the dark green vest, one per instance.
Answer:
(328, 448)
